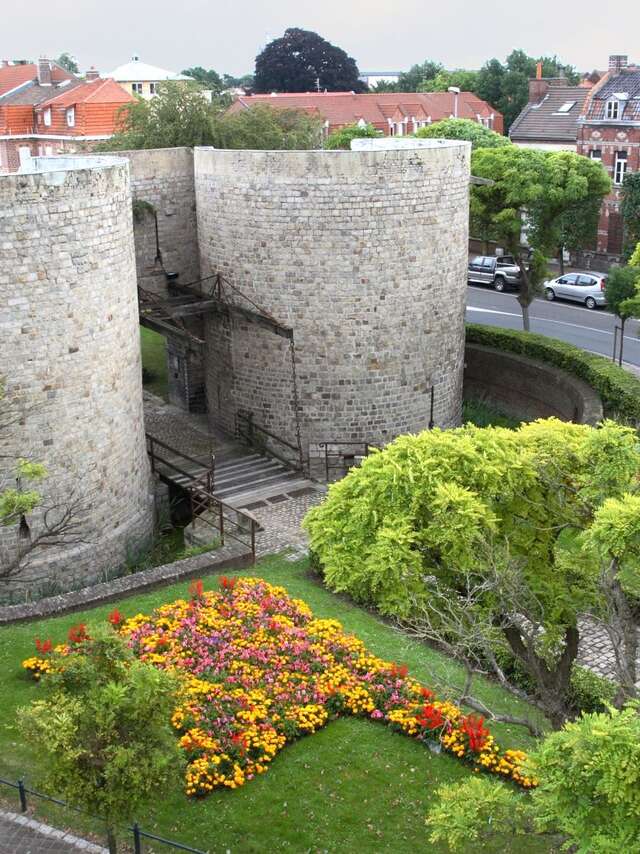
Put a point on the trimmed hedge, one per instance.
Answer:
(619, 389)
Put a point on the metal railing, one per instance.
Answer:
(260, 438)
(226, 520)
(136, 832)
(341, 456)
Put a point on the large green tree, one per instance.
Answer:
(475, 133)
(302, 61)
(484, 531)
(417, 75)
(68, 61)
(630, 210)
(342, 138)
(103, 733)
(265, 127)
(206, 76)
(466, 81)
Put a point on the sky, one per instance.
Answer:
(378, 34)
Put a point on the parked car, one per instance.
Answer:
(587, 288)
(501, 271)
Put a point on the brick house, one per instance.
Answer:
(45, 110)
(392, 113)
(609, 131)
(550, 119)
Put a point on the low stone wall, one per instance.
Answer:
(230, 556)
(527, 388)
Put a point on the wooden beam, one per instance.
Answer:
(165, 328)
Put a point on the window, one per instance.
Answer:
(47, 117)
(153, 88)
(620, 167)
(71, 117)
(595, 154)
(136, 88)
(567, 107)
(586, 281)
(613, 109)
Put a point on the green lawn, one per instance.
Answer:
(483, 414)
(154, 361)
(355, 786)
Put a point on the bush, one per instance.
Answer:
(619, 390)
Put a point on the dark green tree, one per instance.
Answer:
(68, 61)
(630, 210)
(412, 80)
(342, 138)
(466, 81)
(621, 293)
(302, 61)
(209, 78)
(230, 82)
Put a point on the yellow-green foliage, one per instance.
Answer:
(449, 503)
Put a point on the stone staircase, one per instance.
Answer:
(243, 478)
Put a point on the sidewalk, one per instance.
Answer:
(20, 834)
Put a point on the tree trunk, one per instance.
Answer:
(561, 260)
(625, 632)
(112, 841)
(622, 320)
(524, 296)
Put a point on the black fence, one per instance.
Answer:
(135, 834)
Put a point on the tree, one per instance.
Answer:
(588, 791)
(302, 61)
(466, 81)
(178, 115)
(103, 733)
(630, 209)
(417, 75)
(209, 78)
(487, 524)
(342, 138)
(479, 136)
(69, 62)
(621, 293)
(265, 127)
(244, 82)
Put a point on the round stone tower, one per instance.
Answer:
(363, 255)
(70, 360)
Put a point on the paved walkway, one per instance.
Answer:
(20, 834)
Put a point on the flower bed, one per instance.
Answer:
(258, 670)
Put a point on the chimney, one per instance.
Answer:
(92, 74)
(44, 72)
(538, 71)
(538, 87)
(618, 61)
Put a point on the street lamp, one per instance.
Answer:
(456, 92)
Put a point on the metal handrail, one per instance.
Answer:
(249, 438)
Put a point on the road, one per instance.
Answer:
(591, 330)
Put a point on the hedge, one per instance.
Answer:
(619, 389)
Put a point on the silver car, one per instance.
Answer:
(587, 288)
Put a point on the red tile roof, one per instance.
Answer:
(97, 92)
(15, 75)
(341, 108)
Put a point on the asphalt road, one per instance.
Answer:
(591, 330)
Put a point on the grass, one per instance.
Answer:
(154, 362)
(353, 786)
(483, 414)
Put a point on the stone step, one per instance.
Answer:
(250, 484)
(245, 499)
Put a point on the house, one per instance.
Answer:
(550, 119)
(372, 78)
(609, 131)
(139, 78)
(392, 113)
(45, 110)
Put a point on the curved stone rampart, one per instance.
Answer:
(364, 255)
(70, 356)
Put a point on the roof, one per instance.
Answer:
(141, 71)
(546, 121)
(33, 93)
(12, 76)
(96, 91)
(625, 81)
(341, 108)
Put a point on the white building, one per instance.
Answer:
(139, 78)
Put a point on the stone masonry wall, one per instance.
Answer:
(364, 255)
(69, 350)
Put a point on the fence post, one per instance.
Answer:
(23, 796)
(221, 525)
(137, 841)
(253, 541)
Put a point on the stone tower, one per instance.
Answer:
(363, 254)
(70, 357)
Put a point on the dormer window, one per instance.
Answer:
(47, 117)
(71, 117)
(613, 110)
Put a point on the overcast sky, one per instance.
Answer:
(379, 34)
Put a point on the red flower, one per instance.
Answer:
(196, 590)
(399, 670)
(227, 583)
(430, 717)
(43, 647)
(426, 693)
(475, 731)
(78, 634)
(115, 618)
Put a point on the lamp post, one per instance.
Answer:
(456, 92)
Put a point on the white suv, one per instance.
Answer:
(587, 288)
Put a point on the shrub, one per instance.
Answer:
(619, 390)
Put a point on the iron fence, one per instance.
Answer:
(135, 833)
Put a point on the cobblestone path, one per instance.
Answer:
(20, 834)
